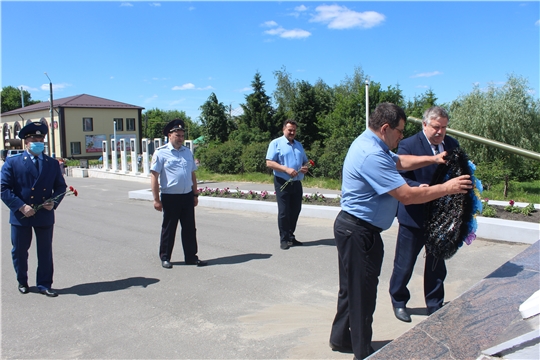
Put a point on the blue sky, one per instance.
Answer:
(173, 55)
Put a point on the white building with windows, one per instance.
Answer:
(81, 124)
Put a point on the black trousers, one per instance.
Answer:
(410, 242)
(360, 255)
(289, 206)
(178, 207)
(21, 239)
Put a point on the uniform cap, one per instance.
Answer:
(174, 125)
(32, 129)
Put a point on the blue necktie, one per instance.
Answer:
(36, 162)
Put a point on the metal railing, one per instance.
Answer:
(499, 145)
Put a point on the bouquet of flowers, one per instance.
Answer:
(309, 164)
(70, 191)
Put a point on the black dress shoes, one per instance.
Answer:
(199, 263)
(284, 245)
(166, 264)
(343, 349)
(401, 314)
(48, 292)
(24, 288)
(295, 243)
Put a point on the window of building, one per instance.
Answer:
(130, 124)
(88, 124)
(119, 124)
(76, 148)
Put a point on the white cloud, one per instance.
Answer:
(176, 102)
(247, 88)
(56, 87)
(340, 17)
(191, 8)
(537, 23)
(187, 86)
(150, 99)
(298, 10)
(270, 23)
(427, 74)
(126, 4)
(190, 86)
(29, 88)
(111, 77)
(289, 34)
(422, 86)
(155, 4)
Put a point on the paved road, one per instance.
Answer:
(253, 300)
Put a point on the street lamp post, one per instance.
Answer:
(367, 104)
(114, 162)
(53, 155)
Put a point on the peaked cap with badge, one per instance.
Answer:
(32, 129)
(174, 125)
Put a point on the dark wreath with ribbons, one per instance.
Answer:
(450, 220)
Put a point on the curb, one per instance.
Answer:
(488, 228)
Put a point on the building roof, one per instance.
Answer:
(77, 101)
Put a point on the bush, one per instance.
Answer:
(330, 163)
(254, 157)
(222, 158)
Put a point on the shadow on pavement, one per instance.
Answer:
(229, 260)
(107, 286)
(328, 242)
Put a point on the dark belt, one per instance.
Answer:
(357, 221)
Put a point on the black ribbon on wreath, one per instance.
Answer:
(448, 218)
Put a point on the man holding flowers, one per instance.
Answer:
(288, 160)
(32, 187)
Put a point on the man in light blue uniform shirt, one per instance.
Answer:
(173, 173)
(287, 158)
(371, 190)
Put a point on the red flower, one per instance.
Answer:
(311, 162)
(71, 191)
(511, 202)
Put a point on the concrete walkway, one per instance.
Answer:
(253, 301)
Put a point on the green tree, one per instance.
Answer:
(284, 93)
(216, 124)
(11, 98)
(257, 124)
(156, 119)
(508, 114)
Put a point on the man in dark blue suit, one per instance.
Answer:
(411, 239)
(28, 180)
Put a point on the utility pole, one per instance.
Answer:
(22, 97)
(367, 103)
(53, 155)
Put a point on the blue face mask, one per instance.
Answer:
(37, 147)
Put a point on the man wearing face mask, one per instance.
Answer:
(29, 179)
